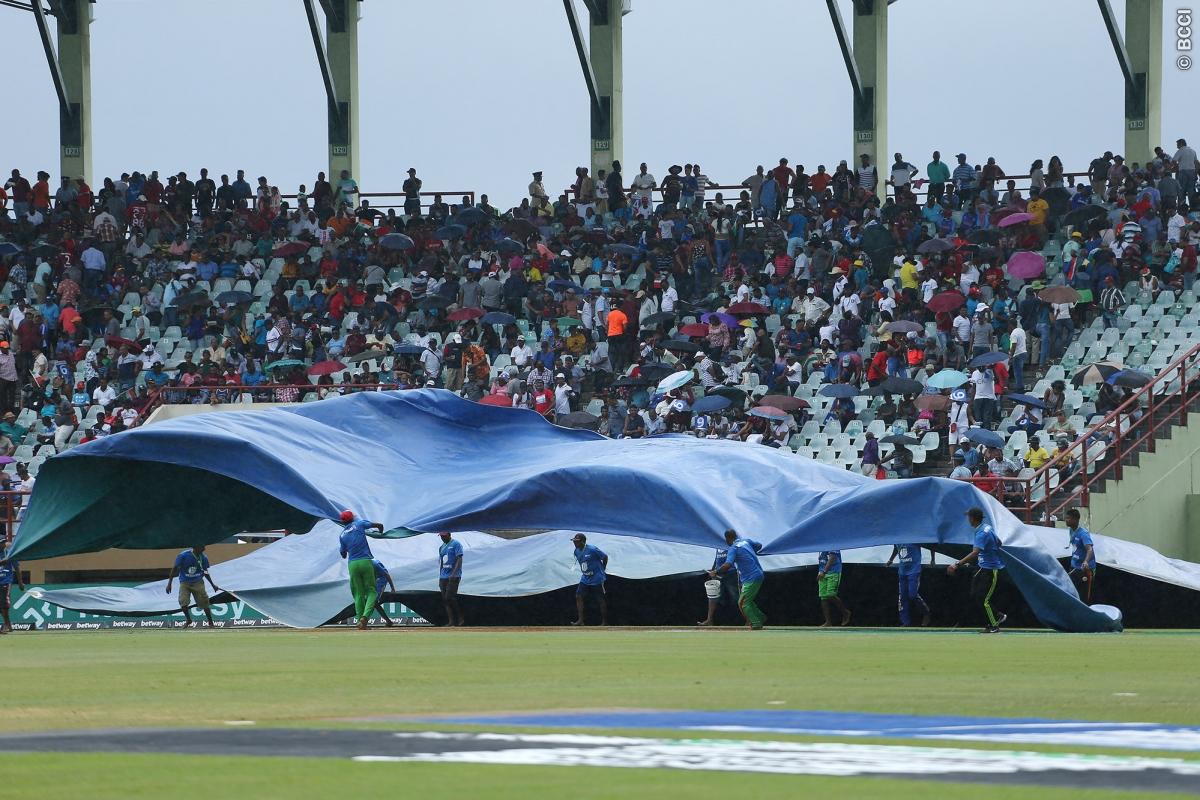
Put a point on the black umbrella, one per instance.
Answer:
(1080, 217)
(680, 346)
(519, 227)
(579, 419)
(45, 250)
(984, 236)
(470, 216)
(987, 359)
(93, 315)
(450, 231)
(935, 246)
(408, 349)
(656, 372)
(1059, 200)
(193, 300)
(433, 301)
(1129, 378)
(877, 237)
(510, 246)
(658, 319)
(897, 385)
(877, 391)
(497, 318)
(237, 298)
(1095, 373)
(899, 438)
(735, 395)
(629, 382)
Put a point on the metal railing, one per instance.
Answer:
(1099, 453)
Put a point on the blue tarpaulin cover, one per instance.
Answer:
(428, 460)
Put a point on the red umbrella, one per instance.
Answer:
(118, 341)
(946, 301)
(502, 400)
(695, 329)
(290, 249)
(1015, 219)
(784, 402)
(932, 402)
(746, 310)
(326, 368)
(464, 314)
(1026, 264)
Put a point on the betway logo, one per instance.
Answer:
(58, 626)
(245, 622)
(151, 623)
(124, 623)
(86, 625)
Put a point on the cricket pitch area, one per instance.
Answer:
(597, 713)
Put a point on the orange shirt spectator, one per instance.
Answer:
(617, 322)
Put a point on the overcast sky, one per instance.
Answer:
(476, 94)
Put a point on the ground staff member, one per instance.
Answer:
(729, 588)
(383, 580)
(1083, 557)
(987, 550)
(450, 560)
(361, 565)
(192, 568)
(829, 578)
(593, 567)
(910, 582)
(10, 572)
(743, 556)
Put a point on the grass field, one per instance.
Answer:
(58, 681)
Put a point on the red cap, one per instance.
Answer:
(347, 516)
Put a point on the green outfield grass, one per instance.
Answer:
(306, 678)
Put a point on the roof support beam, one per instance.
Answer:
(1139, 55)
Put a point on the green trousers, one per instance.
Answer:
(362, 586)
(750, 609)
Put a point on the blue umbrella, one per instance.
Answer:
(1025, 400)
(470, 216)
(712, 402)
(408, 350)
(947, 379)
(450, 231)
(559, 284)
(1130, 378)
(397, 241)
(987, 359)
(767, 412)
(840, 390)
(675, 380)
(984, 437)
(623, 249)
(728, 320)
(507, 245)
(497, 318)
(9, 249)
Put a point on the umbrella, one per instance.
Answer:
(877, 237)
(747, 310)
(579, 419)
(1059, 294)
(629, 382)
(946, 301)
(1095, 373)
(566, 323)
(841, 390)
(947, 379)
(501, 400)
(983, 236)
(658, 319)
(560, 285)
(397, 241)
(365, 355)
(694, 329)
(732, 393)
(877, 391)
(935, 246)
(433, 301)
(984, 437)
(712, 402)
(450, 231)
(681, 346)
(326, 368)
(1080, 217)
(470, 215)
(622, 249)
(119, 341)
(93, 315)
(236, 298)
(675, 380)
(897, 385)
(655, 372)
(286, 362)
(464, 314)
(783, 401)
(727, 320)
(7, 460)
(497, 318)
(519, 227)
(9, 249)
(193, 300)
(408, 349)
(904, 326)
(1015, 219)
(288, 249)
(1026, 264)
(769, 412)
(987, 359)
(932, 402)
(899, 438)
(1025, 400)
(510, 246)
(1129, 378)
(1058, 198)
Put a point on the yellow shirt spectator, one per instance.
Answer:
(1038, 208)
(1037, 458)
(908, 276)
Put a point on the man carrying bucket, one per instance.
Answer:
(743, 556)
(720, 590)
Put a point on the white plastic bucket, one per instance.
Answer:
(712, 589)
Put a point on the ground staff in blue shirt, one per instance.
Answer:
(450, 562)
(357, 551)
(987, 550)
(1083, 557)
(192, 568)
(10, 572)
(743, 556)
(910, 582)
(593, 567)
(383, 580)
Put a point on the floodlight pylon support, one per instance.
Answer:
(602, 62)
(1139, 54)
(337, 57)
(69, 57)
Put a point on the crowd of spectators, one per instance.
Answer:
(826, 297)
